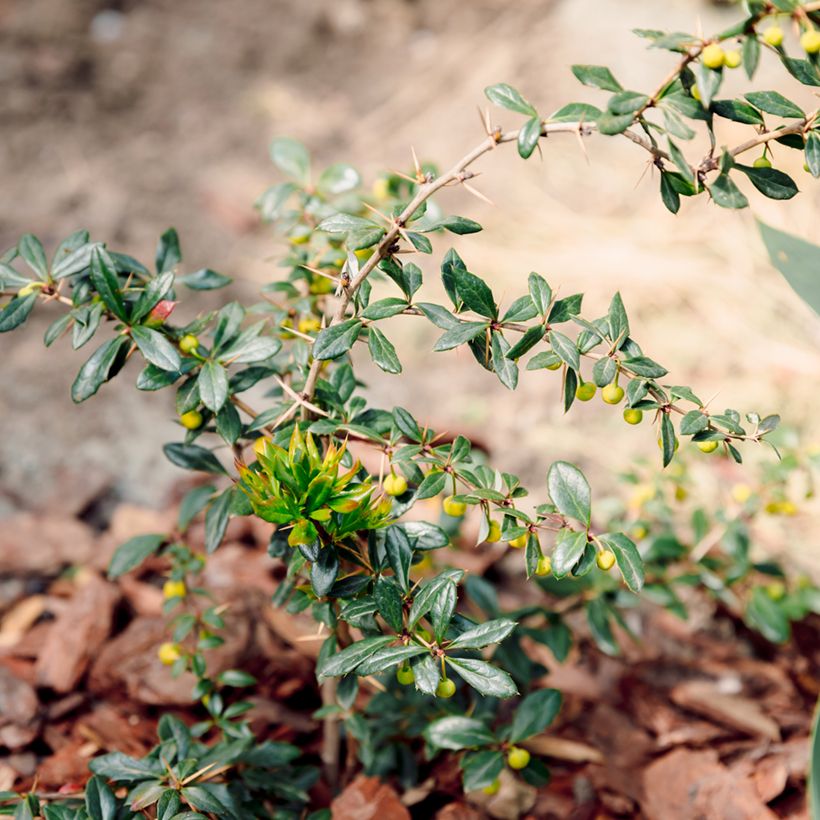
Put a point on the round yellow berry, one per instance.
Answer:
(741, 493)
(762, 162)
(381, 188)
(520, 542)
(732, 59)
(446, 688)
(395, 484)
(188, 343)
(454, 508)
(612, 394)
(810, 41)
(773, 36)
(544, 566)
(174, 589)
(776, 590)
(585, 391)
(707, 446)
(492, 788)
(494, 533)
(309, 324)
(518, 758)
(680, 493)
(605, 560)
(788, 508)
(639, 532)
(169, 653)
(192, 420)
(713, 56)
(404, 675)
(633, 416)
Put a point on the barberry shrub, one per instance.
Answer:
(400, 621)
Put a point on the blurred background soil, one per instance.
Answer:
(128, 117)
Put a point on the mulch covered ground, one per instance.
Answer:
(702, 719)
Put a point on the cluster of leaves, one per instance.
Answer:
(354, 557)
(688, 97)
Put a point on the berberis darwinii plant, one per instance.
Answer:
(354, 560)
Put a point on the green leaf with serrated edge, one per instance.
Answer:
(569, 491)
(292, 158)
(31, 250)
(484, 634)
(598, 618)
(797, 260)
(193, 457)
(349, 658)
(626, 102)
(105, 280)
(737, 111)
(669, 196)
(481, 769)
(569, 547)
(427, 674)
(213, 386)
(540, 292)
(693, 422)
(168, 254)
(399, 554)
(770, 182)
(485, 678)
(389, 657)
(596, 76)
(507, 97)
(565, 348)
(323, 572)
(575, 112)
(812, 150)
(457, 732)
(100, 802)
(16, 312)
(406, 424)
(644, 366)
(627, 557)
(534, 714)
(505, 368)
(204, 279)
(389, 602)
(132, 553)
(156, 348)
(528, 340)
(103, 363)
(610, 124)
(775, 103)
(382, 351)
(336, 340)
(122, 768)
(668, 439)
(216, 520)
(427, 593)
(385, 308)
(476, 294)
(456, 336)
(528, 137)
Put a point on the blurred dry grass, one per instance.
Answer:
(169, 121)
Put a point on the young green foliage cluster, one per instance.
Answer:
(354, 558)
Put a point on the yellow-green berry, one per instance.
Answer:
(518, 758)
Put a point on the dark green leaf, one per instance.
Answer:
(481, 769)
(204, 279)
(213, 386)
(485, 678)
(505, 368)
(770, 182)
(458, 732)
(768, 617)
(596, 76)
(102, 365)
(156, 348)
(569, 547)
(459, 335)
(350, 657)
(16, 312)
(216, 520)
(31, 249)
(628, 558)
(382, 351)
(336, 340)
(534, 714)
(569, 491)
(528, 137)
(507, 97)
(105, 280)
(775, 103)
(193, 457)
(132, 553)
(484, 634)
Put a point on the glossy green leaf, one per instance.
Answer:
(627, 557)
(336, 340)
(382, 351)
(507, 97)
(485, 678)
(534, 714)
(569, 491)
(156, 348)
(16, 312)
(132, 553)
(213, 386)
(458, 732)
(104, 362)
